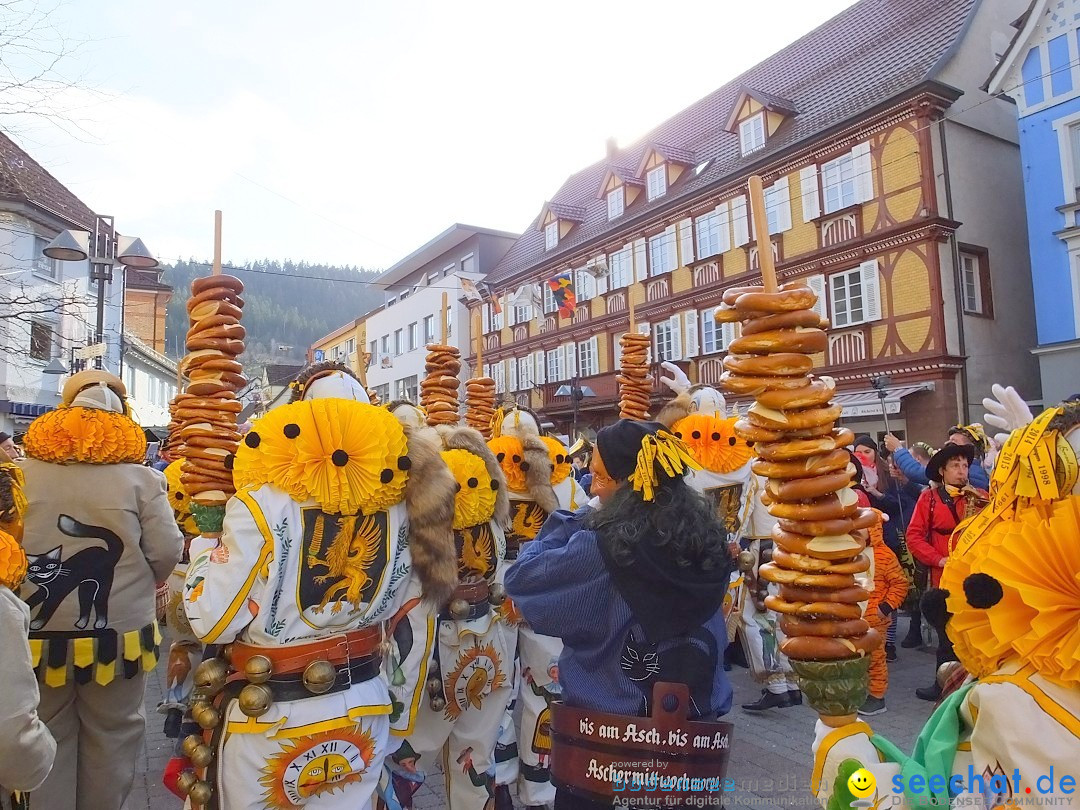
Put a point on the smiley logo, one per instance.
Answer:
(862, 784)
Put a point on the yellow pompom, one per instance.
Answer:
(85, 435)
(12, 562)
(560, 460)
(475, 500)
(509, 453)
(180, 500)
(712, 442)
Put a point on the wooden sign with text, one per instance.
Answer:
(660, 760)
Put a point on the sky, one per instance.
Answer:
(351, 132)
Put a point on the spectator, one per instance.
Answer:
(875, 468)
(8, 447)
(899, 504)
(966, 435)
(937, 513)
(922, 452)
(581, 467)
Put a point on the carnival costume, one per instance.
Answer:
(1010, 588)
(451, 671)
(338, 509)
(99, 536)
(538, 486)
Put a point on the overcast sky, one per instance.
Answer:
(352, 131)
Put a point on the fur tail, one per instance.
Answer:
(675, 410)
(429, 500)
(538, 473)
(70, 527)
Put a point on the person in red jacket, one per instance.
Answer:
(937, 512)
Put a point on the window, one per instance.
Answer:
(403, 295)
(622, 268)
(383, 392)
(384, 345)
(588, 362)
(708, 235)
(657, 182)
(661, 253)
(778, 206)
(838, 180)
(975, 280)
(42, 340)
(1074, 140)
(350, 346)
(710, 333)
(399, 342)
(468, 265)
(525, 373)
(555, 366)
(549, 299)
(615, 200)
(372, 350)
(584, 285)
(391, 301)
(432, 277)
(752, 134)
(854, 296)
(406, 389)
(449, 321)
(414, 335)
(522, 314)
(429, 329)
(40, 263)
(551, 235)
(663, 341)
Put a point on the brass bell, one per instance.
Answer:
(497, 594)
(746, 561)
(201, 793)
(320, 677)
(946, 671)
(186, 781)
(226, 653)
(438, 703)
(459, 609)
(255, 700)
(434, 687)
(190, 743)
(766, 554)
(201, 756)
(207, 718)
(258, 669)
(210, 676)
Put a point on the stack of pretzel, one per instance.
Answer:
(635, 385)
(480, 404)
(439, 389)
(173, 444)
(206, 412)
(821, 530)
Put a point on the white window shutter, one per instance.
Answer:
(487, 369)
(571, 360)
(643, 329)
(676, 337)
(511, 315)
(641, 267)
(723, 227)
(540, 367)
(740, 221)
(871, 290)
(817, 284)
(690, 319)
(727, 334)
(513, 374)
(487, 318)
(602, 281)
(864, 175)
(686, 240)
(783, 204)
(594, 347)
(671, 250)
(808, 187)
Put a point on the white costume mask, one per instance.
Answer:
(336, 385)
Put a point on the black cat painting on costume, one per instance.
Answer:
(89, 570)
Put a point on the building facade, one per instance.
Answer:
(411, 316)
(146, 300)
(1041, 73)
(347, 345)
(151, 379)
(875, 144)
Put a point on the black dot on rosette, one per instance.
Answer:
(982, 591)
(716, 437)
(340, 458)
(473, 483)
(230, 460)
(678, 434)
(386, 476)
(179, 496)
(524, 466)
(731, 440)
(696, 434)
(494, 484)
(252, 440)
(749, 444)
(516, 458)
(499, 458)
(291, 430)
(404, 463)
(560, 459)
(457, 487)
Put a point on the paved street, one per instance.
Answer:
(770, 760)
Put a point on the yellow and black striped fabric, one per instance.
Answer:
(98, 656)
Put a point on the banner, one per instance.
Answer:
(562, 288)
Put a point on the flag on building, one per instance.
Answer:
(562, 288)
(470, 290)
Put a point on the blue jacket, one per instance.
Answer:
(916, 472)
(562, 588)
(898, 502)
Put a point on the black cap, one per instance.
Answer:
(619, 444)
(866, 441)
(941, 458)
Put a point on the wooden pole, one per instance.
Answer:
(477, 325)
(445, 306)
(217, 243)
(630, 306)
(761, 231)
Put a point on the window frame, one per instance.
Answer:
(619, 193)
(384, 346)
(414, 336)
(399, 342)
(429, 329)
(837, 165)
(51, 337)
(667, 329)
(40, 264)
(650, 178)
(621, 261)
(551, 235)
(709, 328)
(659, 243)
(588, 349)
(980, 256)
(835, 298)
(752, 126)
(711, 221)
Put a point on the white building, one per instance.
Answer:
(47, 308)
(398, 333)
(150, 378)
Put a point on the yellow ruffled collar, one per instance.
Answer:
(12, 562)
(474, 503)
(85, 436)
(712, 441)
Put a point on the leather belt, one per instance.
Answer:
(291, 687)
(512, 549)
(476, 595)
(340, 650)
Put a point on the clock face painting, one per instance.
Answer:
(312, 766)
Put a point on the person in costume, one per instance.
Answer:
(339, 508)
(1010, 731)
(698, 416)
(973, 436)
(636, 594)
(938, 512)
(27, 749)
(537, 471)
(99, 536)
(450, 671)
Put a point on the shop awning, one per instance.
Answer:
(867, 404)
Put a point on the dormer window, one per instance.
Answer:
(616, 199)
(656, 182)
(551, 235)
(752, 133)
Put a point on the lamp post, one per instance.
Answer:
(106, 250)
(576, 393)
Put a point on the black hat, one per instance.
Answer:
(866, 441)
(619, 444)
(941, 458)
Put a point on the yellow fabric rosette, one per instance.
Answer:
(474, 503)
(560, 460)
(712, 441)
(509, 453)
(12, 562)
(180, 500)
(349, 457)
(85, 435)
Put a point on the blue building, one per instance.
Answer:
(1040, 71)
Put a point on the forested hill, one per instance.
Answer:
(282, 307)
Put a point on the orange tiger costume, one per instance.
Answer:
(890, 590)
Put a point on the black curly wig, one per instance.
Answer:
(315, 370)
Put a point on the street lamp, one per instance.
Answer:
(576, 393)
(106, 250)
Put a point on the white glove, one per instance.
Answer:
(1006, 411)
(679, 383)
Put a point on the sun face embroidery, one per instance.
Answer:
(476, 674)
(312, 766)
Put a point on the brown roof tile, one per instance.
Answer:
(872, 51)
(24, 179)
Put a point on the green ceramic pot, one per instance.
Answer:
(834, 688)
